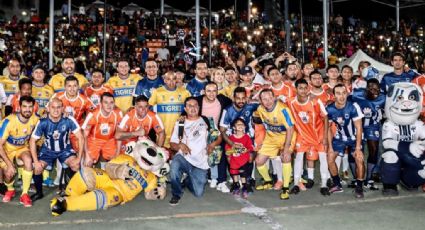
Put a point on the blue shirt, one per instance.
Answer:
(371, 109)
(56, 134)
(146, 86)
(344, 120)
(390, 79)
(196, 87)
(231, 113)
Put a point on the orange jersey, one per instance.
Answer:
(102, 127)
(420, 80)
(77, 106)
(13, 100)
(309, 122)
(131, 122)
(286, 89)
(95, 94)
(323, 96)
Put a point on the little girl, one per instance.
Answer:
(238, 157)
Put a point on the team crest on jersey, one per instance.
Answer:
(179, 97)
(171, 98)
(63, 128)
(56, 135)
(304, 117)
(367, 112)
(347, 116)
(104, 128)
(131, 82)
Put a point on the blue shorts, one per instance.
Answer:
(372, 134)
(340, 146)
(50, 157)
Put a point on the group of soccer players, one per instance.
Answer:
(288, 112)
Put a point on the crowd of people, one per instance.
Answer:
(250, 110)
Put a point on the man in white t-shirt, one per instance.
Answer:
(163, 53)
(191, 158)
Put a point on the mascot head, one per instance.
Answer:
(403, 103)
(149, 156)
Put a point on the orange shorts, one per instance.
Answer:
(311, 150)
(95, 147)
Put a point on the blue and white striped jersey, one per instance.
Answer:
(344, 120)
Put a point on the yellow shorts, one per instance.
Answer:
(272, 146)
(14, 155)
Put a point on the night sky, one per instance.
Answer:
(365, 9)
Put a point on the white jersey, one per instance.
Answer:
(407, 133)
(195, 136)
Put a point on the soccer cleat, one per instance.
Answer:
(58, 206)
(267, 185)
(284, 195)
(48, 182)
(371, 185)
(278, 185)
(295, 190)
(37, 196)
(358, 192)
(309, 184)
(244, 193)
(25, 200)
(174, 201)
(325, 191)
(329, 183)
(8, 196)
(336, 189)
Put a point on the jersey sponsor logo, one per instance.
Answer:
(123, 92)
(56, 135)
(275, 128)
(95, 99)
(136, 175)
(170, 108)
(17, 141)
(367, 112)
(104, 128)
(304, 117)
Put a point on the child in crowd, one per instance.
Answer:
(238, 157)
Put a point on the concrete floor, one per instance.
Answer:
(307, 210)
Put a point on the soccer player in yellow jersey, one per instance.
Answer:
(41, 91)
(275, 118)
(168, 102)
(10, 83)
(15, 132)
(123, 86)
(68, 69)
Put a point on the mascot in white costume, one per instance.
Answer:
(403, 136)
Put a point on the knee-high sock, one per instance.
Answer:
(277, 167)
(26, 181)
(58, 171)
(20, 169)
(298, 167)
(338, 162)
(287, 169)
(249, 170)
(45, 174)
(324, 171)
(370, 168)
(345, 163)
(264, 172)
(38, 183)
(310, 173)
(10, 185)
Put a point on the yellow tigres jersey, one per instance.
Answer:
(42, 95)
(58, 81)
(228, 91)
(123, 90)
(139, 179)
(168, 105)
(276, 121)
(10, 86)
(16, 133)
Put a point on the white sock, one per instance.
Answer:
(324, 171)
(338, 162)
(58, 171)
(345, 164)
(277, 167)
(310, 173)
(298, 167)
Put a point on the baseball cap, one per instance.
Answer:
(245, 70)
